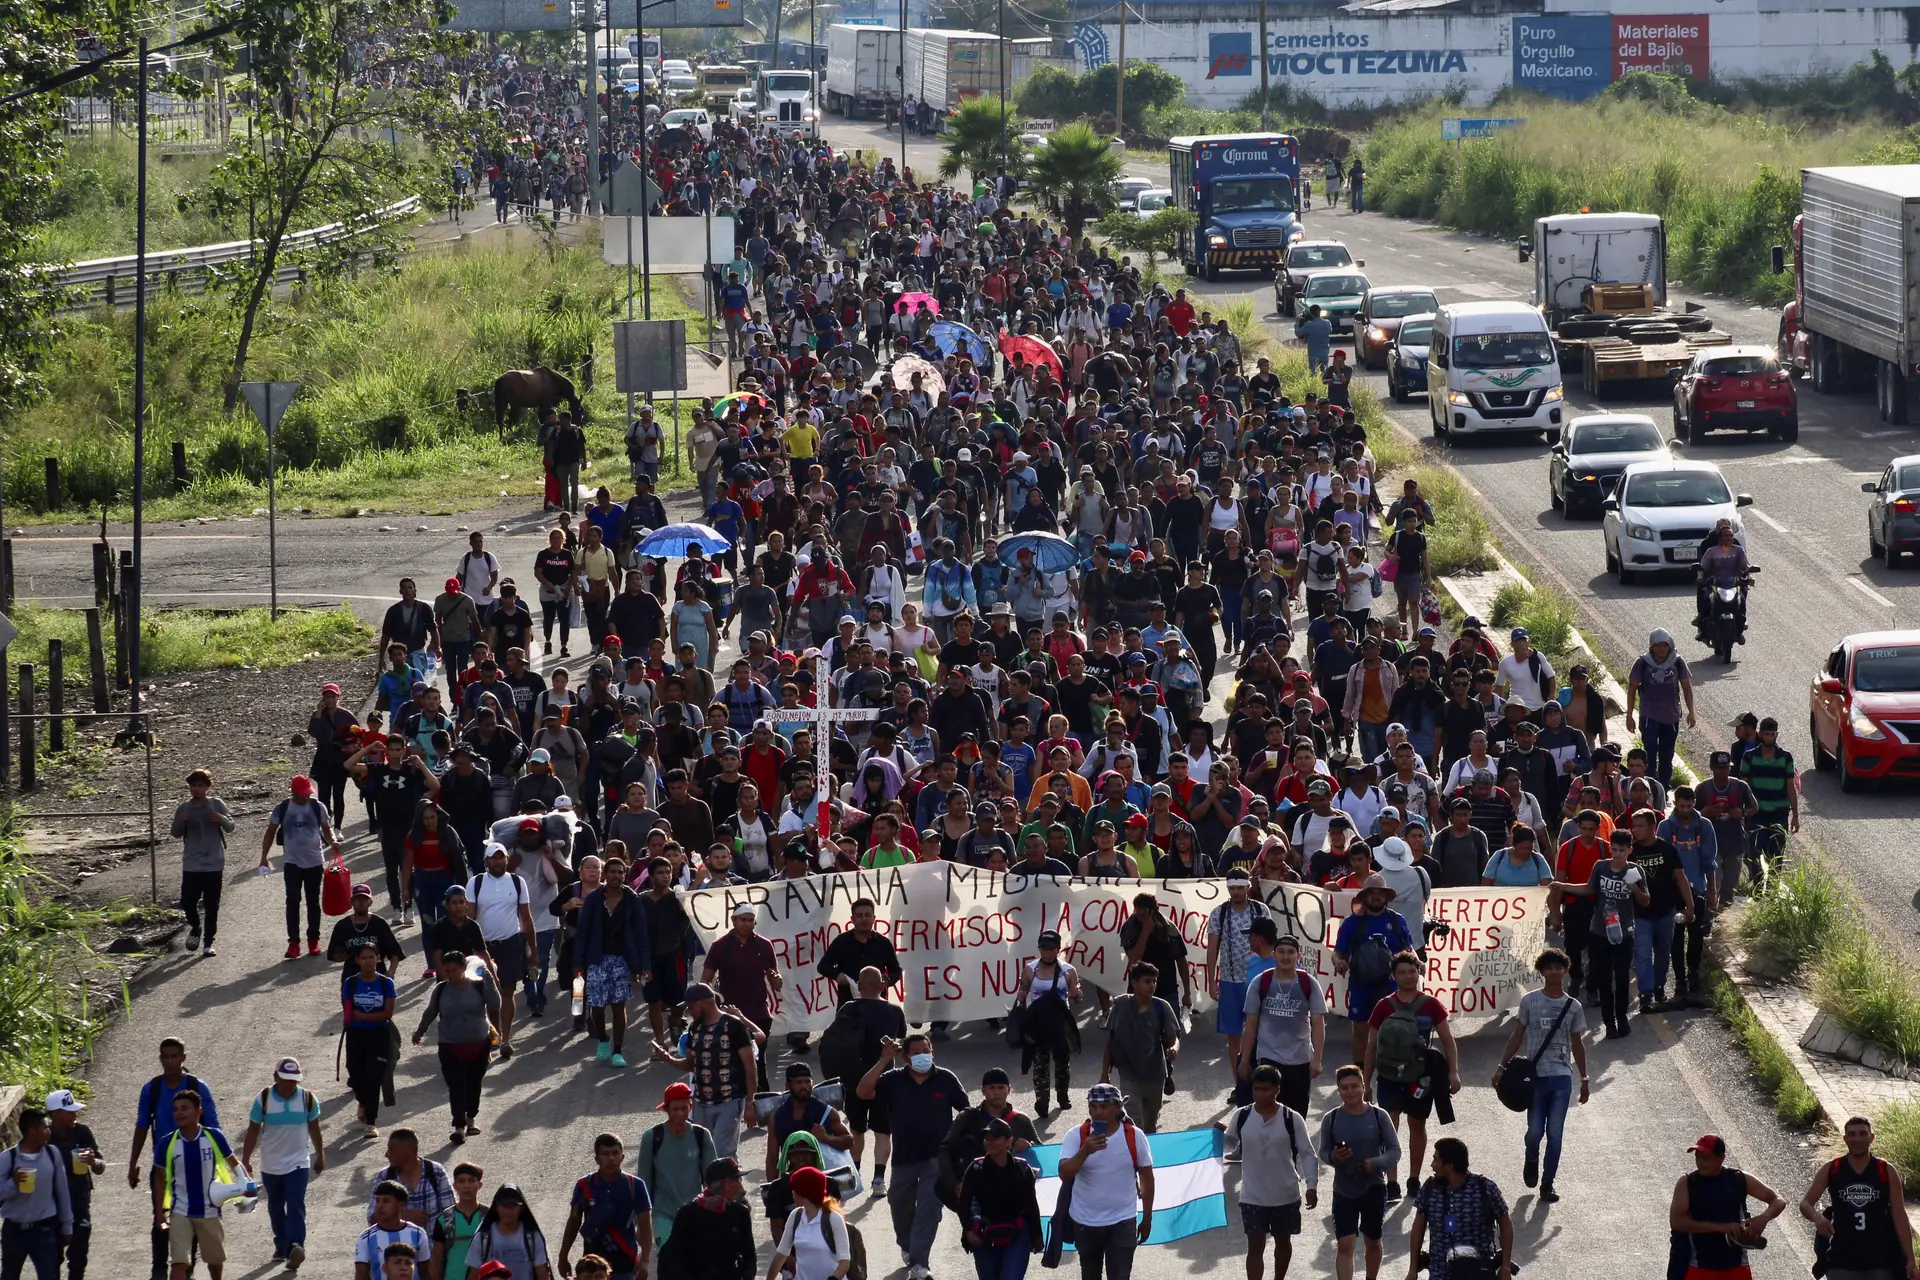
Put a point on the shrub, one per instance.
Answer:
(1800, 915)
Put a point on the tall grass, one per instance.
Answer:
(89, 211)
(1801, 915)
(1793, 1102)
(1547, 615)
(382, 360)
(46, 1027)
(1896, 1137)
(1863, 983)
(1726, 182)
(203, 639)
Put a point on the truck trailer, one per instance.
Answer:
(946, 67)
(1243, 190)
(863, 70)
(1855, 314)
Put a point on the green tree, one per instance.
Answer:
(330, 135)
(1164, 231)
(973, 137)
(1074, 174)
(36, 42)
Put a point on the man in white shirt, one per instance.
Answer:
(1111, 1164)
(1525, 676)
(1276, 1160)
(479, 572)
(505, 912)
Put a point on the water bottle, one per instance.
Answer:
(579, 996)
(1616, 933)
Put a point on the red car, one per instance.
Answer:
(1735, 388)
(1864, 708)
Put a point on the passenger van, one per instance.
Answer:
(1492, 368)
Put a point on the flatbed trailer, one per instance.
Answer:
(1606, 362)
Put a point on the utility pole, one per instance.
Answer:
(1120, 81)
(139, 385)
(903, 88)
(1263, 66)
(1003, 86)
(595, 168)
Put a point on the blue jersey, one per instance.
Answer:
(155, 1111)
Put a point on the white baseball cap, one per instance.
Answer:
(63, 1100)
(288, 1069)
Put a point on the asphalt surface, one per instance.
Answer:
(1677, 1077)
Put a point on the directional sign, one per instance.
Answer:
(623, 195)
(269, 401)
(7, 631)
(1456, 129)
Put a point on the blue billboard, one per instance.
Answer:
(1563, 55)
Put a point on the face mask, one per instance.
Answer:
(921, 1062)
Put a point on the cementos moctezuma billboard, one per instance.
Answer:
(1230, 53)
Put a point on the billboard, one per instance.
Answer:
(1673, 43)
(1563, 55)
(513, 15)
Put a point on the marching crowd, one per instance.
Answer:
(1024, 518)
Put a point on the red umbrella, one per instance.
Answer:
(1034, 350)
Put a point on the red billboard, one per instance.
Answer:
(1675, 43)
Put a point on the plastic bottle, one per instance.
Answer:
(1616, 933)
(579, 996)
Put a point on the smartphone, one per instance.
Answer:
(1099, 1128)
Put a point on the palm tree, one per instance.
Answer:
(1076, 170)
(973, 138)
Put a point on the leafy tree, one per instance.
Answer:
(1161, 232)
(1074, 174)
(329, 127)
(36, 42)
(973, 138)
(1054, 94)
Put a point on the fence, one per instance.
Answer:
(105, 280)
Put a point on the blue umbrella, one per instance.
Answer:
(951, 337)
(675, 539)
(1051, 552)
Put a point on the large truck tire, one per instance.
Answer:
(1823, 358)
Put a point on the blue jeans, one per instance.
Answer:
(1659, 739)
(35, 1242)
(1004, 1262)
(1548, 1115)
(537, 981)
(430, 894)
(286, 1209)
(1230, 618)
(1373, 739)
(1652, 943)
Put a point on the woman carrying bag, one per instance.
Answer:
(467, 1008)
(815, 1243)
(1049, 1034)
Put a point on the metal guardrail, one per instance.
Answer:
(109, 281)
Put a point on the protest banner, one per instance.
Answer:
(963, 935)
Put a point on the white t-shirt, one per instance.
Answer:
(283, 1130)
(1105, 1190)
(817, 1246)
(496, 903)
(475, 572)
(1517, 680)
(1359, 587)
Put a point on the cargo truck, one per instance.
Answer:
(1855, 314)
(863, 70)
(1601, 281)
(946, 67)
(1243, 190)
(785, 103)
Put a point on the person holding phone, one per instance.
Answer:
(1111, 1165)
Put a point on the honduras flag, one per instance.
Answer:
(1189, 1189)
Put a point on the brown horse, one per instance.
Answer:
(536, 389)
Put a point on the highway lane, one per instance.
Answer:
(1806, 528)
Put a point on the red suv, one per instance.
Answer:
(1729, 388)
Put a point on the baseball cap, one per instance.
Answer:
(526, 824)
(492, 1267)
(454, 891)
(539, 756)
(288, 1069)
(329, 688)
(678, 1091)
(1711, 1143)
(1519, 633)
(301, 785)
(1719, 758)
(1319, 787)
(722, 1169)
(696, 992)
(745, 909)
(363, 891)
(1137, 820)
(419, 687)
(63, 1099)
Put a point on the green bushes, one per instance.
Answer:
(202, 639)
(89, 210)
(1726, 182)
(1800, 915)
(1547, 615)
(1053, 94)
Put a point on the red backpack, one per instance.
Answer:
(1126, 1127)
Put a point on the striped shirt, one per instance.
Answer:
(192, 1166)
(371, 1248)
(430, 1197)
(1769, 776)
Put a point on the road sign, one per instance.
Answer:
(7, 631)
(512, 15)
(649, 355)
(693, 13)
(1456, 129)
(623, 195)
(270, 401)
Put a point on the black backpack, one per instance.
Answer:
(1324, 565)
(842, 1044)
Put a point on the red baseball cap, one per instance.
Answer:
(680, 1091)
(1711, 1143)
(1137, 820)
(301, 785)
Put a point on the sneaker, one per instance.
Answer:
(193, 942)
(618, 1060)
(293, 950)
(406, 917)
(313, 946)
(879, 1187)
(918, 1273)
(603, 1051)
(1646, 1003)
(372, 1132)
(1393, 1189)
(296, 1256)
(1531, 1174)
(1548, 1195)
(472, 1128)
(208, 950)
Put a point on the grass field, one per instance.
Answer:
(90, 210)
(1727, 182)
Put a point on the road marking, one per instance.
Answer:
(1870, 593)
(1770, 522)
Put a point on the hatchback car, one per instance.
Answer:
(1381, 312)
(1735, 388)
(1407, 357)
(1864, 708)
(1592, 451)
(1337, 294)
(1661, 512)
(1304, 257)
(1893, 518)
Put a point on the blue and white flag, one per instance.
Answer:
(1189, 1190)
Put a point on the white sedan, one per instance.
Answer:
(1662, 511)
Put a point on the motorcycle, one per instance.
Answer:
(1726, 615)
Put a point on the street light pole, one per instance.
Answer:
(1003, 87)
(1263, 66)
(1120, 81)
(903, 88)
(139, 381)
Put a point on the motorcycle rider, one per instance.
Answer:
(1723, 563)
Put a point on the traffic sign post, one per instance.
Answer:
(269, 401)
(1458, 129)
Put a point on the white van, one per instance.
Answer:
(1491, 368)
